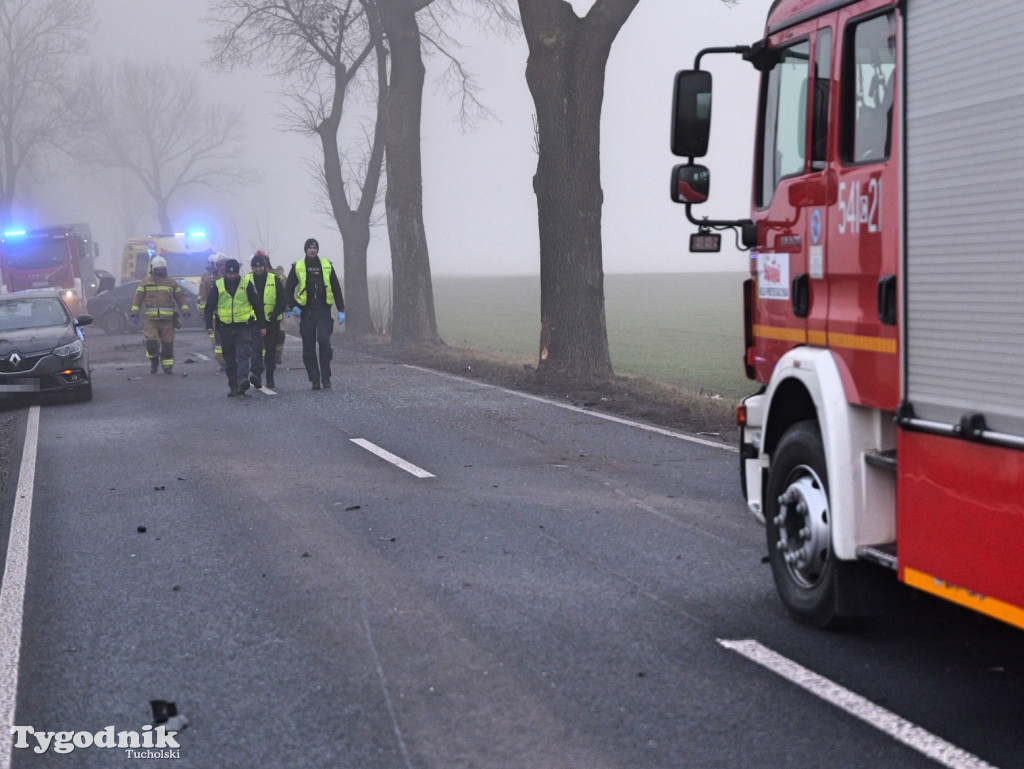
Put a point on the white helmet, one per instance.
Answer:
(158, 262)
(219, 257)
(211, 260)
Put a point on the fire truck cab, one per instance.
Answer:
(58, 257)
(884, 313)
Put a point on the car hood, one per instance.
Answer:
(35, 339)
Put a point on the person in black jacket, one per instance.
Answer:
(270, 291)
(237, 309)
(312, 287)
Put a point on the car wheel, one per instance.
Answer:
(799, 527)
(113, 323)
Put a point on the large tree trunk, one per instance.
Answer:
(565, 72)
(354, 226)
(413, 321)
(166, 227)
(6, 206)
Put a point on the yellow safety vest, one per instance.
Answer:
(269, 292)
(236, 308)
(300, 273)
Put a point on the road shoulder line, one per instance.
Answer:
(589, 412)
(12, 590)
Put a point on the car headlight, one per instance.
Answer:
(74, 349)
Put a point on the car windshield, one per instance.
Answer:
(39, 312)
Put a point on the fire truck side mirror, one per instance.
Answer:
(691, 114)
(690, 184)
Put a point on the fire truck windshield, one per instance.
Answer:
(35, 253)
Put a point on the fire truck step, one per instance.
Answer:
(884, 459)
(883, 555)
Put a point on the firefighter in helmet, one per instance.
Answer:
(160, 298)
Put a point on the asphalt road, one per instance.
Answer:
(535, 587)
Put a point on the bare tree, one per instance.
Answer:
(38, 40)
(152, 122)
(319, 48)
(324, 45)
(414, 319)
(565, 71)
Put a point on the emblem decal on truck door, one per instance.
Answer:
(773, 276)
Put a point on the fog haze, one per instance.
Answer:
(479, 208)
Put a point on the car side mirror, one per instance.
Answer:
(83, 320)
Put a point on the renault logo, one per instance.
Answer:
(15, 359)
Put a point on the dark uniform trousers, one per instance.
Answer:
(315, 328)
(264, 349)
(236, 343)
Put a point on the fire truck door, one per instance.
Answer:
(863, 235)
(789, 200)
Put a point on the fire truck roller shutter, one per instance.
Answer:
(964, 326)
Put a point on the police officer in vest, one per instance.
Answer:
(270, 292)
(311, 289)
(237, 309)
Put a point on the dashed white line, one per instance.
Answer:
(884, 720)
(12, 591)
(419, 472)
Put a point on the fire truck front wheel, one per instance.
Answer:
(799, 527)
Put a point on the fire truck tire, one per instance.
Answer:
(798, 523)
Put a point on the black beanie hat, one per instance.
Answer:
(231, 266)
(311, 242)
(258, 260)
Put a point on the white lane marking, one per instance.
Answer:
(12, 591)
(389, 457)
(588, 412)
(384, 687)
(884, 720)
(201, 356)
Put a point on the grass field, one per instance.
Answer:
(685, 329)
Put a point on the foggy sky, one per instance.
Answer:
(480, 211)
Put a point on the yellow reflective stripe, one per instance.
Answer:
(993, 607)
(831, 339)
(782, 334)
(858, 342)
(160, 311)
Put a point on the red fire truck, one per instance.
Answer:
(884, 313)
(61, 257)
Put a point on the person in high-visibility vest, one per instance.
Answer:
(237, 309)
(269, 291)
(311, 289)
(159, 297)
